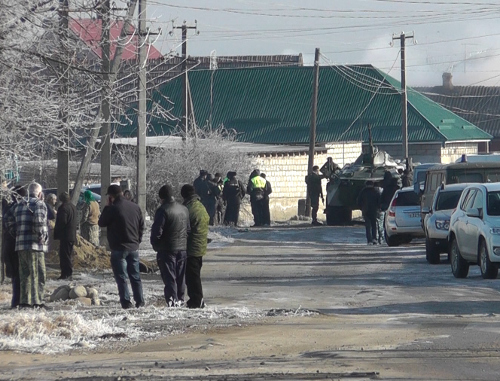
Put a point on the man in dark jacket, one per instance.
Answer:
(232, 193)
(125, 227)
(369, 203)
(65, 232)
(390, 186)
(315, 191)
(266, 215)
(196, 245)
(210, 200)
(169, 240)
(407, 178)
(219, 207)
(256, 189)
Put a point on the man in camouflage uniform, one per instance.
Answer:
(31, 245)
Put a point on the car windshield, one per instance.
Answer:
(493, 205)
(447, 200)
(409, 198)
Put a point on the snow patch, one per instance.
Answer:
(38, 331)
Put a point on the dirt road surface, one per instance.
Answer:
(333, 308)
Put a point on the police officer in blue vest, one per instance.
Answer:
(256, 188)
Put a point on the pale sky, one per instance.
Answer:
(461, 36)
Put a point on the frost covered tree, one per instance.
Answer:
(49, 93)
(180, 163)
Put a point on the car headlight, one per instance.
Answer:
(495, 231)
(443, 224)
(496, 250)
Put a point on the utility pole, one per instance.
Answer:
(185, 98)
(142, 128)
(404, 99)
(312, 130)
(63, 153)
(105, 100)
(115, 64)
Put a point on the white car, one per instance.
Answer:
(402, 219)
(437, 220)
(474, 236)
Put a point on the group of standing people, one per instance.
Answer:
(373, 200)
(178, 235)
(26, 223)
(222, 197)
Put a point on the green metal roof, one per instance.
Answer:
(272, 105)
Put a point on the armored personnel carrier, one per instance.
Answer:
(344, 185)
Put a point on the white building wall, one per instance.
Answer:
(287, 172)
(430, 153)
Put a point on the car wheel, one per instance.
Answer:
(407, 239)
(489, 270)
(431, 251)
(392, 241)
(459, 266)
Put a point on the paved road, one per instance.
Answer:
(382, 313)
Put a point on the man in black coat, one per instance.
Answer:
(65, 232)
(266, 215)
(169, 239)
(125, 227)
(315, 191)
(369, 203)
(232, 193)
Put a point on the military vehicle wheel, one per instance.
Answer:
(338, 215)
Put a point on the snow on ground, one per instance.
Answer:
(39, 331)
(68, 325)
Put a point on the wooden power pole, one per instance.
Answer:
(105, 101)
(312, 130)
(185, 97)
(404, 99)
(142, 126)
(63, 153)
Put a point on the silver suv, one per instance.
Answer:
(475, 231)
(437, 220)
(402, 218)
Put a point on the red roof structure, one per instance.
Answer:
(89, 31)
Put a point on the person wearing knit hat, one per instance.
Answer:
(196, 245)
(169, 240)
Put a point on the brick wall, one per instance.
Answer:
(287, 172)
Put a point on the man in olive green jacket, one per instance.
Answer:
(196, 245)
